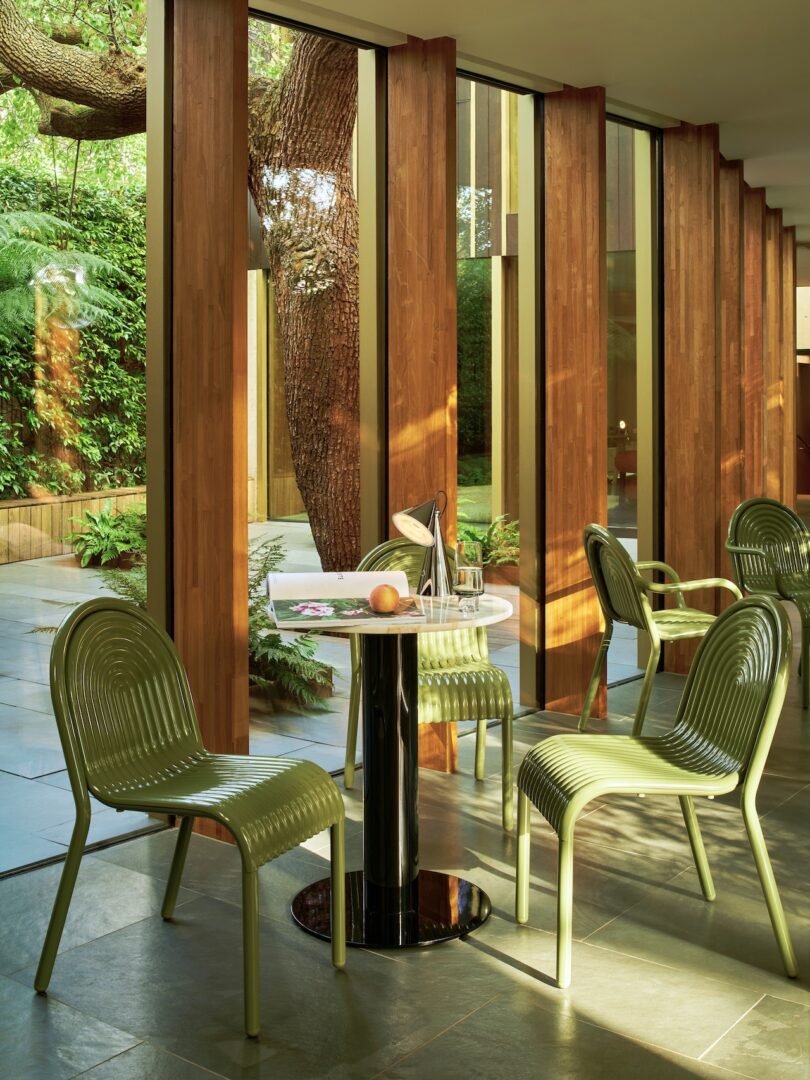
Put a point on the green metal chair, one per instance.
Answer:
(456, 679)
(131, 738)
(769, 545)
(721, 738)
(624, 596)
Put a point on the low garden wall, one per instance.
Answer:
(33, 528)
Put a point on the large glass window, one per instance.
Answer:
(72, 383)
(303, 364)
(631, 358)
(487, 284)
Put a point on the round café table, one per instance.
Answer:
(392, 903)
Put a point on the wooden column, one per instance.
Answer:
(691, 166)
(753, 347)
(790, 371)
(773, 364)
(730, 384)
(209, 362)
(576, 384)
(422, 296)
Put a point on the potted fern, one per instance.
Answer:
(108, 537)
(500, 547)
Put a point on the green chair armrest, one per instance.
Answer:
(664, 568)
(655, 564)
(698, 583)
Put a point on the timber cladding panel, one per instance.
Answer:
(576, 384)
(422, 362)
(790, 369)
(753, 345)
(730, 383)
(773, 364)
(422, 274)
(691, 166)
(209, 362)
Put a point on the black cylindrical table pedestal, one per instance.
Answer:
(391, 903)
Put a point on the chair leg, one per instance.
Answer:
(698, 850)
(523, 858)
(804, 666)
(250, 945)
(646, 687)
(351, 732)
(593, 685)
(176, 872)
(507, 781)
(768, 882)
(480, 747)
(62, 902)
(565, 909)
(338, 909)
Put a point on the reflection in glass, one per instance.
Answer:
(487, 277)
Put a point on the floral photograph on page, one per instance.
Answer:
(289, 612)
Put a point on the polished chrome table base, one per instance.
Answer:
(437, 907)
(391, 903)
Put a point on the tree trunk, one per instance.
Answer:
(300, 175)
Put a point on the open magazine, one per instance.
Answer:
(309, 601)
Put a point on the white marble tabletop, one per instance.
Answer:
(440, 614)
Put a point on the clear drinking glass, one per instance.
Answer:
(468, 575)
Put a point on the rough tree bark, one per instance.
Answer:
(300, 176)
(81, 94)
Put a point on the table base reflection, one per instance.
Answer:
(434, 907)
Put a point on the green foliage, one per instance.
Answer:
(500, 543)
(105, 443)
(474, 356)
(128, 584)
(474, 470)
(107, 534)
(286, 667)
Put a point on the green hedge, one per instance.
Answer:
(108, 444)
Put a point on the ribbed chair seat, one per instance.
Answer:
(674, 624)
(769, 545)
(624, 597)
(565, 773)
(130, 736)
(721, 738)
(456, 679)
(271, 805)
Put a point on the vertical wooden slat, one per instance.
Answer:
(5, 544)
(576, 383)
(209, 362)
(730, 386)
(789, 364)
(774, 356)
(753, 344)
(422, 364)
(691, 216)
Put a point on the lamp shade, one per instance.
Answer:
(416, 523)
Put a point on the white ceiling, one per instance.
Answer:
(743, 64)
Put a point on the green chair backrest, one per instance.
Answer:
(775, 529)
(445, 647)
(736, 687)
(122, 702)
(619, 585)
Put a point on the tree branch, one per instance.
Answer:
(113, 82)
(88, 125)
